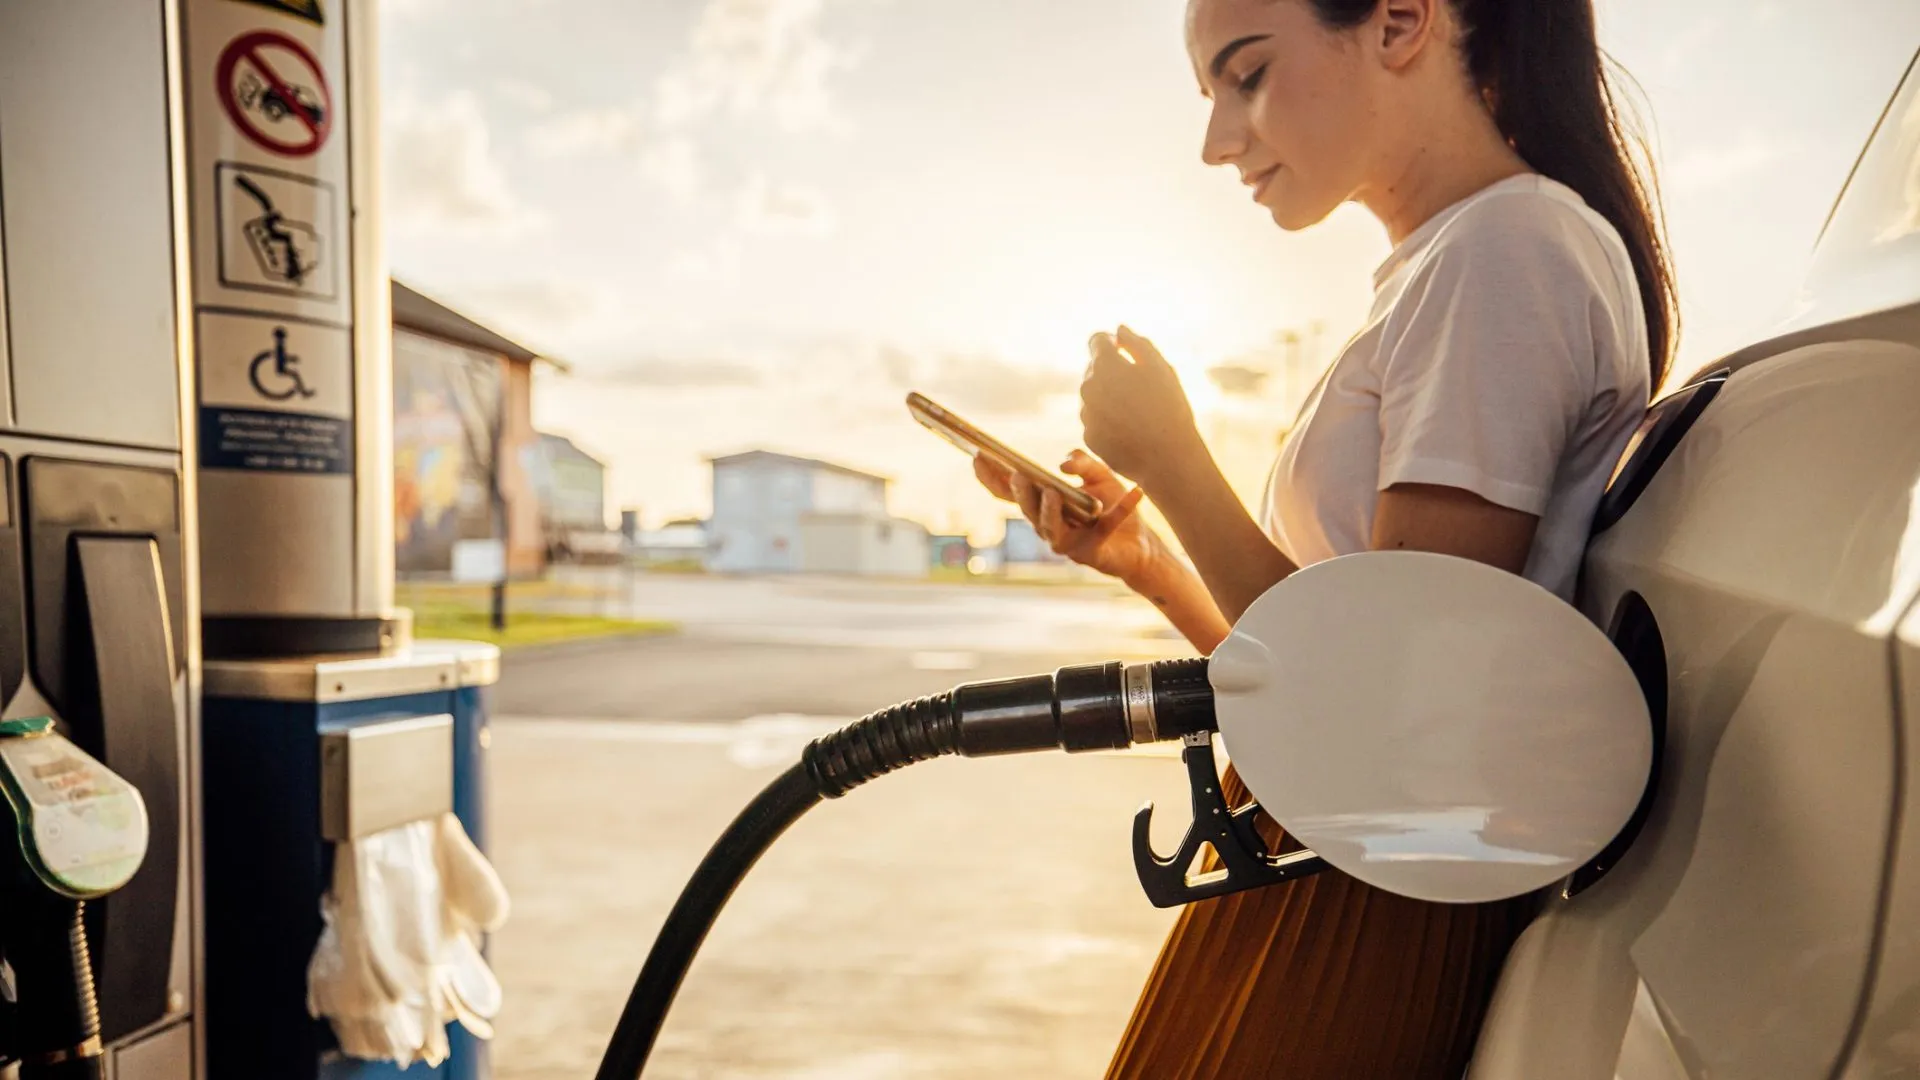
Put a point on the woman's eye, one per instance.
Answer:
(1252, 82)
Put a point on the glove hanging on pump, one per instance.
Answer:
(399, 958)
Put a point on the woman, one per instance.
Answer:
(1517, 328)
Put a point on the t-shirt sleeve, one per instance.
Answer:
(1488, 359)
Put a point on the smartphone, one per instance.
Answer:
(1076, 505)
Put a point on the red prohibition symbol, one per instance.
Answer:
(285, 108)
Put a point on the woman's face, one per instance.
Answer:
(1293, 103)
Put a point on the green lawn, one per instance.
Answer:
(463, 612)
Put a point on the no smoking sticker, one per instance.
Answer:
(273, 90)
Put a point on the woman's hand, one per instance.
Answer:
(1135, 414)
(1118, 544)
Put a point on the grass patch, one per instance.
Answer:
(674, 566)
(461, 594)
(443, 610)
(526, 627)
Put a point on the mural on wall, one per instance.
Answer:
(446, 413)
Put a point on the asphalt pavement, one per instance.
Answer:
(965, 918)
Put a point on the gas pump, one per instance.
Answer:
(194, 370)
(324, 724)
(98, 591)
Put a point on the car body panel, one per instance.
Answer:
(1889, 1042)
(1743, 919)
(1766, 920)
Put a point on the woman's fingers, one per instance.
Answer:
(1103, 352)
(1051, 526)
(1086, 467)
(1027, 495)
(993, 476)
(1117, 514)
(1142, 350)
(1099, 481)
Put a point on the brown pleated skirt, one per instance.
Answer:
(1323, 978)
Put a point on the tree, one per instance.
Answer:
(479, 386)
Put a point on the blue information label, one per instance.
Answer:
(261, 441)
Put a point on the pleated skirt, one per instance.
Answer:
(1323, 978)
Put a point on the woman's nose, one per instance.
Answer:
(1225, 141)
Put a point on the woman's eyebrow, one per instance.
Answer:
(1220, 59)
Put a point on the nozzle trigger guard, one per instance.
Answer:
(1244, 862)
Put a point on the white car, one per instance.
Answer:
(1758, 561)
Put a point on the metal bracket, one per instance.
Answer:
(374, 776)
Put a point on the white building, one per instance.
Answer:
(773, 513)
(1022, 554)
(862, 544)
(1021, 545)
(571, 487)
(673, 544)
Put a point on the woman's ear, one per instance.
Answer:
(1404, 27)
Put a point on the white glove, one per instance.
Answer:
(398, 959)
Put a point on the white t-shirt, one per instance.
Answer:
(1506, 354)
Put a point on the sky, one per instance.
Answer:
(759, 223)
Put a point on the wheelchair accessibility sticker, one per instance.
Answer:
(277, 232)
(275, 395)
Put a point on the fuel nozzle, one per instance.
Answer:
(78, 832)
(1106, 706)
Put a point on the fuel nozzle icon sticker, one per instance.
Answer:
(286, 250)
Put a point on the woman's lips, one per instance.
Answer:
(1259, 182)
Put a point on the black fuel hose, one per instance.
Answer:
(59, 1015)
(1093, 707)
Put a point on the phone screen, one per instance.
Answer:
(1076, 504)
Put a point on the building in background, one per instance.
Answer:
(774, 513)
(863, 544)
(570, 486)
(952, 551)
(464, 502)
(1023, 554)
(677, 545)
(1021, 545)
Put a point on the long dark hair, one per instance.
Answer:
(1539, 62)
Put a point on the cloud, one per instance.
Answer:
(410, 9)
(1714, 166)
(673, 165)
(606, 130)
(543, 309)
(1239, 380)
(529, 96)
(764, 209)
(441, 172)
(664, 373)
(752, 58)
(1684, 44)
(978, 384)
(716, 263)
(745, 61)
